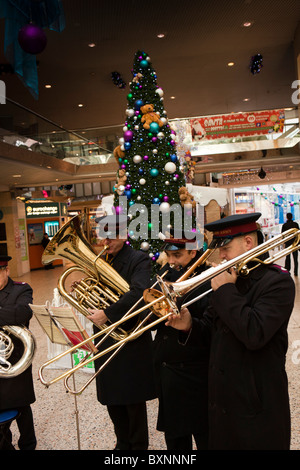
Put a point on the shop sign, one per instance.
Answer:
(226, 126)
(42, 209)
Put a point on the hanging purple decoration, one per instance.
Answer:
(118, 80)
(256, 64)
(25, 21)
(32, 39)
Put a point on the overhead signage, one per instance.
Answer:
(226, 126)
(42, 209)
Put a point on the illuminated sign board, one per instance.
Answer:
(43, 209)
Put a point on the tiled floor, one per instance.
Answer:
(59, 426)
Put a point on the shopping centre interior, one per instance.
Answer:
(228, 72)
(57, 140)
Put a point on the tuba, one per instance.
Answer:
(102, 285)
(7, 370)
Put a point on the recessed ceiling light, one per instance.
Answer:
(172, 97)
(246, 99)
(230, 64)
(91, 44)
(247, 24)
(48, 86)
(161, 35)
(80, 105)
(16, 176)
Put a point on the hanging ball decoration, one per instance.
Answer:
(154, 139)
(128, 135)
(144, 64)
(155, 200)
(154, 127)
(163, 120)
(167, 183)
(160, 92)
(137, 159)
(145, 246)
(160, 135)
(140, 171)
(120, 190)
(174, 158)
(164, 207)
(138, 104)
(127, 145)
(170, 167)
(154, 172)
(129, 112)
(142, 181)
(32, 39)
(146, 158)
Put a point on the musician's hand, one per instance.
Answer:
(224, 278)
(97, 316)
(182, 322)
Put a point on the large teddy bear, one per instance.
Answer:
(149, 116)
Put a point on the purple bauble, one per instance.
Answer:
(146, 158)
(32, 39)
(128, 135)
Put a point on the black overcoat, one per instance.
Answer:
(14, 310)
(129, 376)
(181, 372)
(248, 386)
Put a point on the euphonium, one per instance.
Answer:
(102, 286)
(7, 370)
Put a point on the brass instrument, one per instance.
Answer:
(102, 285)
(7, 370)
(166, 300)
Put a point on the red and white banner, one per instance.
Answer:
(226, 126)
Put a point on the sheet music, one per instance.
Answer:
(49, 324)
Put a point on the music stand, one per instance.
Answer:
(63, 327)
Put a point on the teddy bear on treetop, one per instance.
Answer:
(149, 116)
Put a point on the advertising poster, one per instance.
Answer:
(35, 234)
(227, 126)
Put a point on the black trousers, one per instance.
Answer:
(287, 264)
(27, 439)
(130, 425)
(186, 442)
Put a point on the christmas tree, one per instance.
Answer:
(149, 175)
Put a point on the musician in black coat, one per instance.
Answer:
(127, 382)
(248, 386)
(181, 371)
(17, 392)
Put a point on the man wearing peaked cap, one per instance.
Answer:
(182, 416)
(16, 392)
(248, 320)
(127, 381)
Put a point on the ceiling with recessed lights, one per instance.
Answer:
(191, 45)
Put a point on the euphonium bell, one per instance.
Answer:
(102, 286)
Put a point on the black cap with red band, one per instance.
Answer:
(4, 259)
(227, 228)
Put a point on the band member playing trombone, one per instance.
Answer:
(248, 387)
(181, 370)
(127, 381)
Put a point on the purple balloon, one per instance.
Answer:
(32, 39)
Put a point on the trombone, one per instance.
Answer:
(164, 303)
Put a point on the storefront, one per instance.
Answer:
(42, 216)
